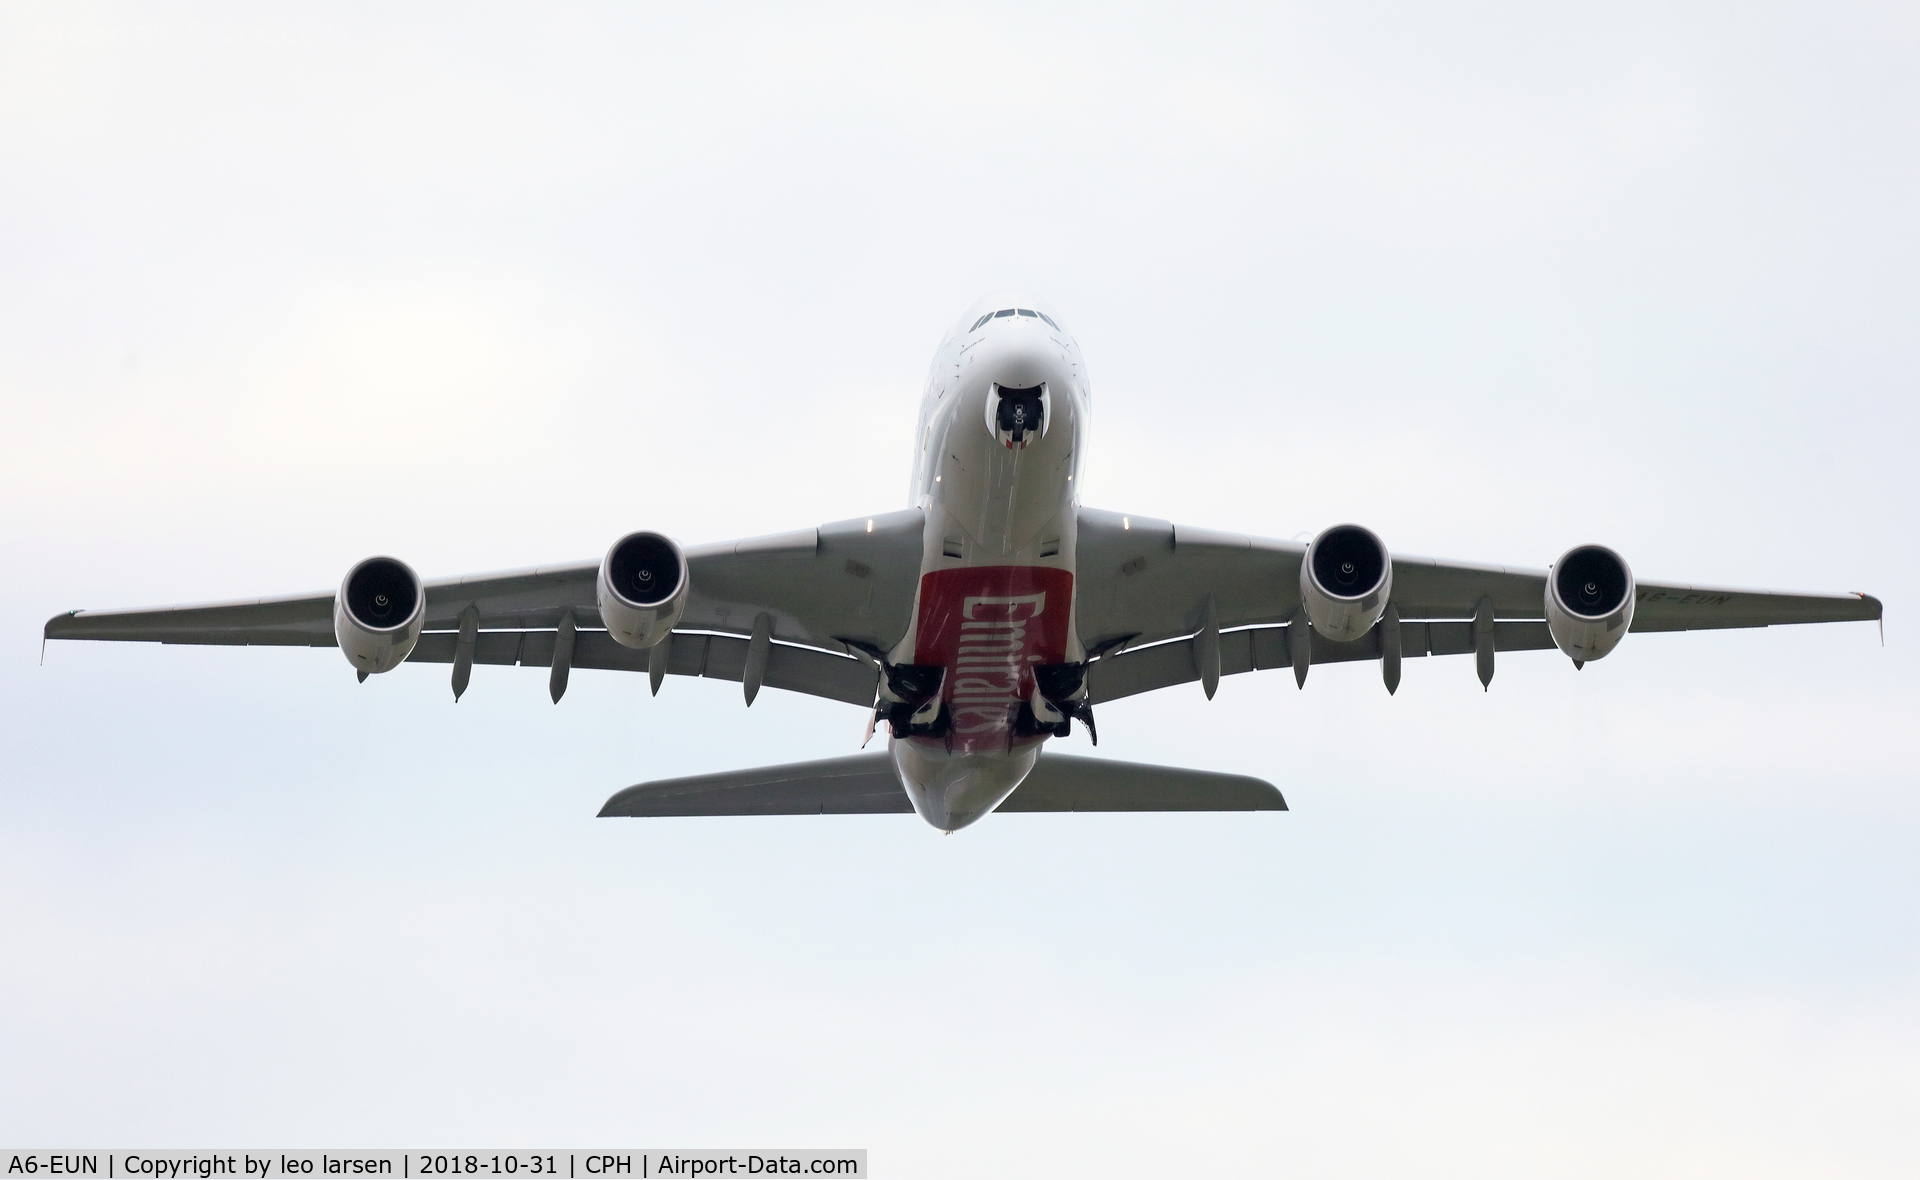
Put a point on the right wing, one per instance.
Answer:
(866, 784)
(1144, 586)
(849, 581)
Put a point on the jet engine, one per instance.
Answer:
(1589, 601)
(1344, 582)
(642, 589)
(377, 614)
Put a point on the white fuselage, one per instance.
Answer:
(996, 593)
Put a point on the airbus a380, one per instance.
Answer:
(993, 613)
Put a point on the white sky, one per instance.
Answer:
(487, 286)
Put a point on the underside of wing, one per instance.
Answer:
(299, 620)
(1672, 606)
(867, 784)
(819, 594)
(851, 580)
(1163, 604)
(1143, 580)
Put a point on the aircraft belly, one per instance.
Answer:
(995, 600)
(989, 627)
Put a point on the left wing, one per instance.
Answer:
(848, 581)
(1149, 591)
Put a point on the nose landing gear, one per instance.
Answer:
(1017, 416)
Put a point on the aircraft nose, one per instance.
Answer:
(1022, 353)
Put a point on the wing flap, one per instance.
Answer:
(1164, 665)
(489, 647)
(717, 657)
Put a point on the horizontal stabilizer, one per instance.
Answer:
(866, 784)
(1063, 782)
(863, 784)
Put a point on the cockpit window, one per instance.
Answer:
(1004, 312)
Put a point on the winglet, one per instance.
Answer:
(1879, 614)
(46, 632)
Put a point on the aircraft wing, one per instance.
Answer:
(851, 580)
(1144, 586)
(1143, 589)
(866, 784)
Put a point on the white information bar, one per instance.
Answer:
(626, 1163)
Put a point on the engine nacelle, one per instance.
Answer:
(377, 614)
(1344, 582)
(643, 589)
(1589, 601)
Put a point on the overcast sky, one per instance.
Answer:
(488, 286)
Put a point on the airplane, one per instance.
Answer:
(991, 614)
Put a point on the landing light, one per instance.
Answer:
(869, 524)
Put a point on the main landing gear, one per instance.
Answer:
(911, 703)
